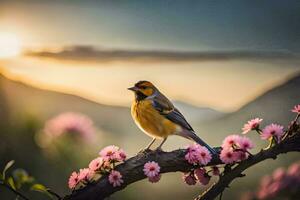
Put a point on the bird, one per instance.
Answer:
(157, 117)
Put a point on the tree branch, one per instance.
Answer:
(14, 191)
(132, 170)
(288, 145)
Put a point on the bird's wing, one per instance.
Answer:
(167, 109)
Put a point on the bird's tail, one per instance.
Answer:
(192, 136)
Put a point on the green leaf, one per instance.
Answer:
(1, 177)
(21, 177)
(11, 183)
(41, 188)
(7, 166)
(38, 187)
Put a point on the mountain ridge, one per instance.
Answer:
(185, 107)
(102, 114)
(274, 106)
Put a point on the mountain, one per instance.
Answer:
(196, 114)
(23, 101)
(273, 106)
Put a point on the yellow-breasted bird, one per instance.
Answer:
(156, 116)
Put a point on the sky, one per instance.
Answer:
(188, 25)
(218, 54)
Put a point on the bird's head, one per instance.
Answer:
(143, 89)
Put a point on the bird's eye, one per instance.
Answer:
(143, 87)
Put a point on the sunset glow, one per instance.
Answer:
(9, 45)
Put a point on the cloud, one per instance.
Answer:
(90, 53)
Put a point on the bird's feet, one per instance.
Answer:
(144, 151)
(159, 150)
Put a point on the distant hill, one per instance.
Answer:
(196, 114)
(273, 106)
(23, 101)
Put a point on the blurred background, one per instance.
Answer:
(65, 66)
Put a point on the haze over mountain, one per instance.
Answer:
(196, 114)
(22, 101)
(273, 106)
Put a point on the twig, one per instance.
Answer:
(14, 191)
(292, 128)
(221, 195)
(54, 194)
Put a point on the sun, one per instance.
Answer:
(9, 45)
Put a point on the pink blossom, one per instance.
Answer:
(113, 153)
(73, 180)
(272, 130)
(294, 170)
(204, 155)
(85, 174)
(215, 171)
(205, 179)
(115, 178)
(121, 155)
(279, 174)
(236, 142)
(199, 173)
(70, 122)
(109, 153)
(235, 148)
(230, 141)
(281, 182)
(296, 109)
(274, 188)
(202, 176)
(262, 194)
(252, 124)
(191, 157)
(192, 153)
(151, 169)
(245, 143)
(96, 164)
(154, 179)
(198, 154)
(189, 178)
(228, 156)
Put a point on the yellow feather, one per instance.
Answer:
(150, 121)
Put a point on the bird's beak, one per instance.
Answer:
(133, 88)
